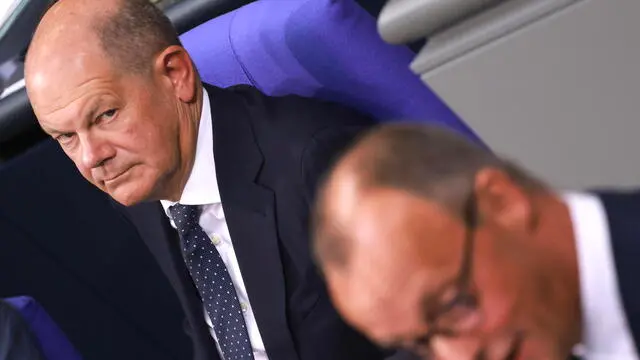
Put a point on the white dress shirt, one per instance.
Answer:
(202, 189)
(606, 334)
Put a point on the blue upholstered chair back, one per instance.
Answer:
(53, 342)
(328, 49)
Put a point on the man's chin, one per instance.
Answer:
(128, 194)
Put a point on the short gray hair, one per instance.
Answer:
(430, 161)
(134, 34)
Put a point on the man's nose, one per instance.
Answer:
(95, 150)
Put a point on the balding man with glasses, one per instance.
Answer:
(434, 244)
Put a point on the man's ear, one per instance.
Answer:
(175, 65)
(501, 201)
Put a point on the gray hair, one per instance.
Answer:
(134, 34)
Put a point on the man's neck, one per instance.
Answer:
(188, 136)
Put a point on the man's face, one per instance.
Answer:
(120, 129)
(403, 272)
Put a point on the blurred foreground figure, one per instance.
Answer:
(431, 243)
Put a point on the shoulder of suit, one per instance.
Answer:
(627, 200)
(291, 122)
(300, 107)
(618, 194)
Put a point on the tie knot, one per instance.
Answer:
(185, 216)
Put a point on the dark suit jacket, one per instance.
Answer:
(270, 153)
(623, 215)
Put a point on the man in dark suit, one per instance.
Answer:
(232, 170)
(432, 243)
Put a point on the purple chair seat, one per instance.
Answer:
(53, 342)
(328, 49)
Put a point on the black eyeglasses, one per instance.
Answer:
(447, 318)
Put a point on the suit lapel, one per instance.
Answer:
(163, 242)
(623, 213)
(249, 211)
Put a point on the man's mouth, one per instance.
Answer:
(112, 180)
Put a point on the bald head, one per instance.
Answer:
(126, 32)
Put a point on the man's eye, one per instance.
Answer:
(64, 138)
(107, 114)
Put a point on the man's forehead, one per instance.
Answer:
(380, 212)
(342, 194)
(394, 242)
(52, 87)
(389, 226)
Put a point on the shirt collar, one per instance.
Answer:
(202, 186)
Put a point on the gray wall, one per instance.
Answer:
(561, 96)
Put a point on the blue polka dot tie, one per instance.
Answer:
(213, 283)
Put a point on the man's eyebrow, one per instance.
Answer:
(90, 114)
(87, 115)
(51, 131)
